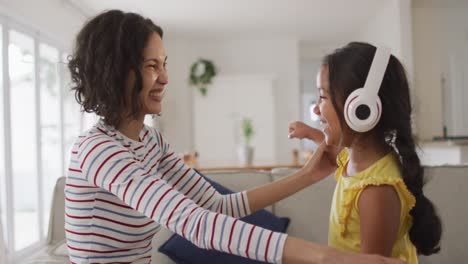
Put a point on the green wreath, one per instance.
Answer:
(201, 73)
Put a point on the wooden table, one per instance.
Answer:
(237, 168)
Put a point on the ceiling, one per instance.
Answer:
(311, 20)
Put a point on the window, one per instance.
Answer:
(50, 130)
(3, 231)
(23, 138)
(39, 121)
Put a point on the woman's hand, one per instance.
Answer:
(321, 164)
(334, 256)
(299, 251)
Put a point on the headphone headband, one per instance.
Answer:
(363, 106)
(377, 70)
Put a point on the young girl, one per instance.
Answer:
(124, 182)
(378, 205)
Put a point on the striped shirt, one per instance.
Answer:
(120, 192)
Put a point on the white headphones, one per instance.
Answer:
(363, 107)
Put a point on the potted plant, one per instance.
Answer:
(245, 150)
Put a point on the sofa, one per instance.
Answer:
(308, 211)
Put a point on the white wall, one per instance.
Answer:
(277, 57)
(391, 27)
(440, 50)
(427, 71)
(54, 19)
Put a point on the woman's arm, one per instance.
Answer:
(379, 211)
(188, 182)
(303, 252)
(191, 184)
(315, 169)
(105, 163)
(194, 186)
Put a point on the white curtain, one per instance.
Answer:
(3, 251)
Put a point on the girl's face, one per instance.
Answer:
(325, 110)
(154, 76)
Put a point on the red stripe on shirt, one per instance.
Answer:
(230, 235)
(146, 133)
(108, 237)
(126, 189)
(213, 231)
(209, 198)
(185, 222)
(159, 201)
(104, 162)
(268, 245)
(149, 151)
(243, 203)
(203, 195)
(108, 220)
(89, 152)
(118, 174)
(193, 186)
(144, 192)
(232, 206)
(248, 242)
(164, 174)
(88, 138)
(180, 178)
(167, 156)
(81, 186)
(173, 210)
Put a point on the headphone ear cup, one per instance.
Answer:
(362, 112)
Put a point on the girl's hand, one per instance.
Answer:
(321, 164)
(298, 130)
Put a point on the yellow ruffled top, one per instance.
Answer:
(344, 226)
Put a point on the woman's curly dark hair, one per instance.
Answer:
(348, 68)
(107, 49)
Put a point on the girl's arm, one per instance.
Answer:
(379, 211)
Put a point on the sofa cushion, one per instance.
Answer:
(309, 210)
(446, 188)
(183, 252)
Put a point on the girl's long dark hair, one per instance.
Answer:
(348, 68)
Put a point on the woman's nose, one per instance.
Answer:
(163, 77)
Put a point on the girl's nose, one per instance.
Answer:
(316, 109)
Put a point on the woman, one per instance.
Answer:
(125, 183)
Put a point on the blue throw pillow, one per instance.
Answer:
(182, 251)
